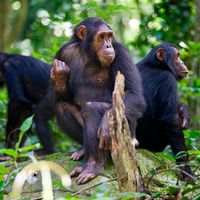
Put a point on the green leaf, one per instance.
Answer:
(140, 195)
(127, 196)
(181, 154)
(22, 155)
(156, 195)
(153, 172)
(196, 187)
(23, 128)
(59, 184)
(174, 189)
(3, 169)
(9, 152)
(1, 187)
(29, 148)
(196, 198)
(26, 124)
(70, 197)
(194, 152)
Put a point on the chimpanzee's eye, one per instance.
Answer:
(102, 36)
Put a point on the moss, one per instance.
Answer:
(148, 163)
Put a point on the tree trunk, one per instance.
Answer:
(195, 103)
(10, 29)
(4, 13)
(196, 60)
(18, 23)
(123, 152)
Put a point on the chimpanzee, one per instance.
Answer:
(84, 84)
(165, 117)
(3, 58)
(27, 80)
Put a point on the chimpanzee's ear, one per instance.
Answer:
(160, 54)
(81, 32)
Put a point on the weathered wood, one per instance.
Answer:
(123, 152)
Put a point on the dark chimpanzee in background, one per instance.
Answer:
(84, 86)
(165, 117)
(27, 80)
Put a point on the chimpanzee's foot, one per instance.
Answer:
(77, 170)
(187, 174)
(78, 154)
(88, 172)
(41, 152)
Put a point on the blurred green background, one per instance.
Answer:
(40, 27)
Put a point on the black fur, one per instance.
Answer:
(27, 81)
(160, 124)
(134, 101)
(93, 99)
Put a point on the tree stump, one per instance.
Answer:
(123, 150)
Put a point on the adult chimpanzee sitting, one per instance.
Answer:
(27, 81)
(165, 117)
(84, 86)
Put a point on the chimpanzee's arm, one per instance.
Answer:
(60, 78)
(169, 114)
(184, 115)
(170, 119)
(60, 72)
(134, 100)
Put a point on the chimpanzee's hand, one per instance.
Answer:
(184, 116)
(104, 134)
(187, 174)
(60, 75)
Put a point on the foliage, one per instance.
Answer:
(170, 21)
(14, 154)
(18, 152)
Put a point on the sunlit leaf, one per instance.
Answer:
(3, 169)
(9, 152)
(26, 124)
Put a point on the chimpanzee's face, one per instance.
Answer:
(102, 42)
(179, 65)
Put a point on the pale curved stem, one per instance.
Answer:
(44, 167)
(47, 193)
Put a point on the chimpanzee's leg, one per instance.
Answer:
(95, 158)
(17, 113)
(177, 143)
(70, 120)
(80, 152)
(43, 113)
(68, 117)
